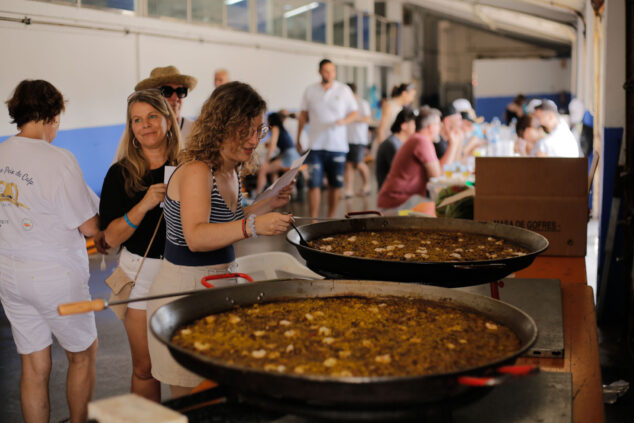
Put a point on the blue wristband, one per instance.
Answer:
(132, 225)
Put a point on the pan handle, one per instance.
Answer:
(223, 276)
(479, 266)
(81, 307)
(505, 373)
(362, 212)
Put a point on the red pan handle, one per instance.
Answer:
(506, 373)
(362, 212)
(223, 276)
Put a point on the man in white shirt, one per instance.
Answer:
(330, 105)
(560, 142)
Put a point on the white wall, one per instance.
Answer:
(614, 94)
(507, 77)
(96, 58)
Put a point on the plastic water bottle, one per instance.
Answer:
(493, 136)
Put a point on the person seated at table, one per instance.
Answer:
(473, 136)
(515, 109)
(560, 142)
(402, 128)
(529, 132)
(280, 140)
(414, 164)
(204, 213)
(448, 144)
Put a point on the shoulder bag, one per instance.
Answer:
(121, 284)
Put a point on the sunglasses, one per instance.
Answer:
(167, 91)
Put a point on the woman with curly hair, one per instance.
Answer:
(204, 210)
(130, 213)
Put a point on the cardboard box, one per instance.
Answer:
(545, 195)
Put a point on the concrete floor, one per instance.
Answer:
(114, 364)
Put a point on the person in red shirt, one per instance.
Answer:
(414, 164)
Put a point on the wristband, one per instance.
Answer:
(132, 225)
(251, 222)
(244, 228)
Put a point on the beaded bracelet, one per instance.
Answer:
(244, 228)
(251, 221)
(132, 225)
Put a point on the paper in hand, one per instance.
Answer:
(283, 180)
(167, 175)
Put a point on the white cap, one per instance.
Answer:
(530, 107)
(462, 105)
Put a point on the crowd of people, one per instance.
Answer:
(47, 209)
(171, 231)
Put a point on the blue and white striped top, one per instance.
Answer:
(176, 250)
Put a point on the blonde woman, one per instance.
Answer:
(204, 210)
(130, 212)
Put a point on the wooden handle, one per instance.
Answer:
(81, 307)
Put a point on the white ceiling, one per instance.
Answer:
(549, 20)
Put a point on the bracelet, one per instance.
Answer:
(244, 228)
(251, 221)
(132, 225)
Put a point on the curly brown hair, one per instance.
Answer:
(135, 166)
(34, 101)
(230, 111)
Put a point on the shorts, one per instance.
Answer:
(289, 156)
(31, 291)
(329, 163)
(356, 153)
(129, 263)
(175, 278)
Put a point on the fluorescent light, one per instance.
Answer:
(230, 2)
(301, 9)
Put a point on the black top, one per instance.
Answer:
(384, 156)
(441, 147)
(115, 202)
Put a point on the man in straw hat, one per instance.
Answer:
(174, 86)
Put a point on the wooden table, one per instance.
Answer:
(581, 357)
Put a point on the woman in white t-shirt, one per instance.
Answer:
(46, 209)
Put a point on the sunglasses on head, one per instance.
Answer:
(167, 91)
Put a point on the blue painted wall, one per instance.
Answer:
(490, 107)
(94, 149)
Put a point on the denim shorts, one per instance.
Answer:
(356, 154)
(328, 163)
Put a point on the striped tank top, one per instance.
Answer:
(176, 250)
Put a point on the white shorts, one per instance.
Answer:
(31, 291)
(129, 263)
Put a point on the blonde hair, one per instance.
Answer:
(229, 112)
(130, 155)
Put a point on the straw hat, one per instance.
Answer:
(166, 75)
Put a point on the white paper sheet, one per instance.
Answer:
(168, 174)
(283, 180)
